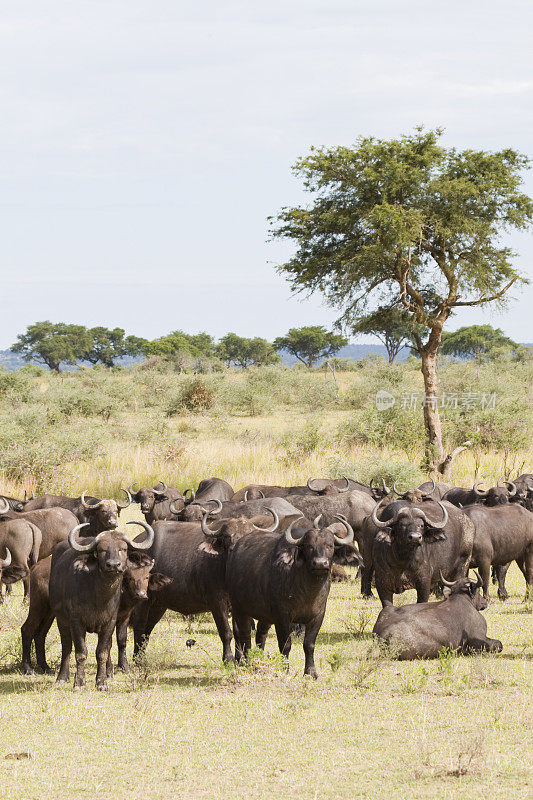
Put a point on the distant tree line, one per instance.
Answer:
(56, 344)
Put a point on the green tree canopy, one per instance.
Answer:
(198, 344)
(53, 344)
(407, 222)
(480, 342)
(105, 346)
(392, 326)
(311, 343)
(242, 352)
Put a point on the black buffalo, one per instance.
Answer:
(100, 515)
(85, 591)
(422, 630)
(155, 502)
(283, 580)
(411, 548)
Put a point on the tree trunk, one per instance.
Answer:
(428, 354)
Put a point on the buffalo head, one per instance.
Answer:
(327, 487)
(467, 587)
(104, 513)
(109, 551)
(409, 526)
(315, 544)
(148, 497)
(500, 494)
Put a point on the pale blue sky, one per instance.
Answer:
(143, 144)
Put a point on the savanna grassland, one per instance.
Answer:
(182, 725)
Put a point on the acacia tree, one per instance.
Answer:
(407, 222)
(480, 342)
(310, 343)
(243, 352)
(392, 326)
(53, 344)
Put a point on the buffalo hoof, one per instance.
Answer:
(28, 671)
(60, 683)
(503, 596)
(101, 687)
(79, 688)
(26, 601)
(47, 670)
(311, 674)
(125, 667)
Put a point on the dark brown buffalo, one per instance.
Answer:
(355, 506)
(283, 580)
(13, 502)
(412, 547)
(422, 630)
(19, 550)
(502, 534)
(138, 580)
(100, 515)
(434, 490)
(495, 496)
(314, 486)
(85, 591)
(196, 562)
(155, 502)
(251, 508)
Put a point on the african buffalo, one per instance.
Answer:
(138, 580)
(281, 580)
(101, 515)
(196, 562)
(155, 503)
(411, 548)
(496, 495)
(502, 534)
(422, 630)
(20, 541)
(85, 590)
(314, 486)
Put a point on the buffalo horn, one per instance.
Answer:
(479, 581)
(148, 542)
(88, 506)
(311, 488)
(449, 584)
(131, 488)
(129, 498)
(245, 498)
(377, 522)
(5, 508)
(205, 528)
(288, 534)
(218, 509)
(385, 487)
(189, 499)
(274, 525)
(160, 492)
(348, 539)
(512, 488)
(345, 488)
(436, 525)
(479, 492)
(173, 509)
(7, 560)
(73, 541)
(316, 522)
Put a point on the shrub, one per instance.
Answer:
(197, 396)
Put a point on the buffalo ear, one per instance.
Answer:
(207, 547)
(136, 560)
(157, 581)
(446, 591)
(384, 536)
(286, 557)
(84, 564)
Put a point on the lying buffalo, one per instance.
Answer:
(85, 591)
(422, 630)
(155, 502)
(196, 561)
(283, 580)
(316, 486)
(502, 534)
(411, 547)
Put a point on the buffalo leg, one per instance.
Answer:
(224, 631)
(122, 640)
(526, 567)
(141, 632)
(261, 633)
(66, 649)
(484, 572)
(283, 632)
(40, 640)
(499, 575)
(311, 632)
(80, 651)
(481, 645)
(104, 668)
(242, 631)
(26, 584)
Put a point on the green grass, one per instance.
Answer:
(184, 726)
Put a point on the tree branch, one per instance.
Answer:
(486, 299)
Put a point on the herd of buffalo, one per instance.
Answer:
(266, 554)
